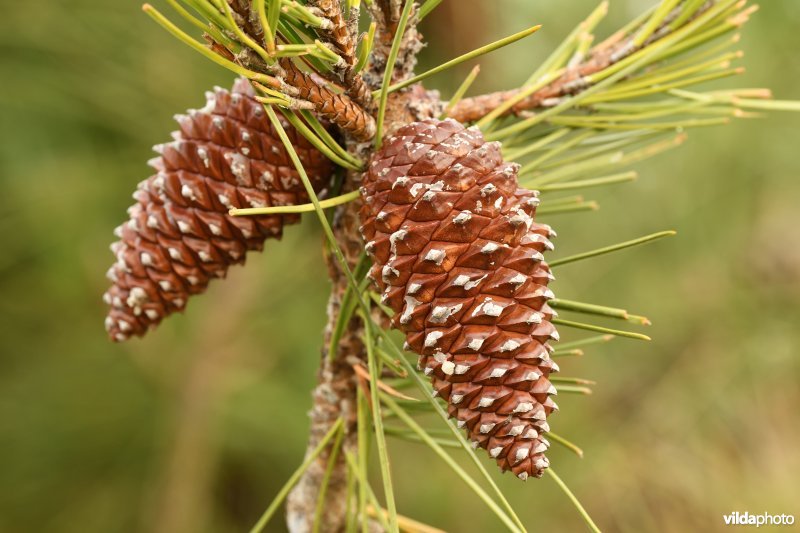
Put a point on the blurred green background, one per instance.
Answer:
(195, 428)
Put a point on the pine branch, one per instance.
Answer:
(575, 78)
(266, 44)
(338, 108)
(339, 35)
(386, 14)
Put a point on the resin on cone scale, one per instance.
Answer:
(179, 235)
(458, 258)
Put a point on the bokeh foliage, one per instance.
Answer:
(196, 427)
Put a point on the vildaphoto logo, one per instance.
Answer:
(764, 519)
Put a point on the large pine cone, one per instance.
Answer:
(458, 258)
(180, 236)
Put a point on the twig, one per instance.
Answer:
(570, 81)
(340, 37)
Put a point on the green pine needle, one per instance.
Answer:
(613, 248)
(335, 429)
(600, 329)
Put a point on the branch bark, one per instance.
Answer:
(334, 397)
(572, 81)
(342, 38)
(335, 394)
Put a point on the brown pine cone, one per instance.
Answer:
(458, 258)
(179, 235)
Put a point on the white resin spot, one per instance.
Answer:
(490, 247)
(224, 200)
(401, 181)
(517, 280)
(534, 318)
(387, 273)
(435, 256)
(448, 367)
(494, 452)
(415, 189)
(523, 407)
(211, 102)
(202, 153)
(509, 345)
(411, 304)
(475, 344)
(462, 218)
(238, 165)
(522, 454)
(485, 402)
(432, 338)
(486, 428)
(544, 292)
(136, 297)
(463, 280)
(498, 373)
(531, 376)
(488, 308)
(398, 235)
(441, 313)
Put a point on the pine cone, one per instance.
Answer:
(179, 236)
(458, 258)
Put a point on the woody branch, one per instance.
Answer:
(573, 78)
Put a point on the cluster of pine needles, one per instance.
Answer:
(633, 97)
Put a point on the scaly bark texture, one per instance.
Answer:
(458, 257)
(338, 108)
(179, 236)
(334, 397)
(335, 394)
